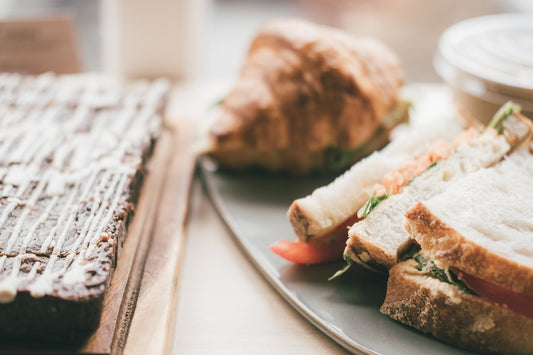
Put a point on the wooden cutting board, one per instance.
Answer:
(138, 312)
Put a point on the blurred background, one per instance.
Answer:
(207, 40)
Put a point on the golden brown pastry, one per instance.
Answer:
(308, 98)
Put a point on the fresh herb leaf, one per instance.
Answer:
(338, 273)
(502, 114)
(431, 166)
(439, 274)
(422, 262)
(432, 270)
(371, 204)
(460, 284)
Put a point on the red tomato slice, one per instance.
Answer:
(326, 248)
(517, 302)
(300, 252)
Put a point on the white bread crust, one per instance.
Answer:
(454, 316)
(382, 235)
(448, 248)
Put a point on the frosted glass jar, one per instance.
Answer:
(488, 61)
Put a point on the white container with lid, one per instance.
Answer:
(488, 61)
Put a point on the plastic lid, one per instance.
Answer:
(490, 57)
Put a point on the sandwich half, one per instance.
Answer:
(379, 240)
(320, 220)
(471, 284)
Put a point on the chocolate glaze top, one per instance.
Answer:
(71, 149)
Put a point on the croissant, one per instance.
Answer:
(308, 98)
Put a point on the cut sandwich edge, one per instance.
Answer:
(449, 248)
(468, 321)
(369, 252)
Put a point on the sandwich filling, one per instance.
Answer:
(428, 267)
(516, 302)
(395, 181)
(318, 250)
(331, 245)
(519, 303)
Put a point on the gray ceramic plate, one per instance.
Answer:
(254, 206)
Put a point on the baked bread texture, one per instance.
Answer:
(471, 284)
(454, 316)
(494, 240)
(380, 239)
(308, 98)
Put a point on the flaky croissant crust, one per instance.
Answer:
(308, 87)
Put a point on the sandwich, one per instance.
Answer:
(379, 240)
(320, 220)
(308, 98)
(471, 281)
(401, 173)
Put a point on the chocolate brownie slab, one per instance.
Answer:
(72, 158)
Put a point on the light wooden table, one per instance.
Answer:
(224, 306)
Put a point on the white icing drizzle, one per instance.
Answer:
(6, 145)
(67, 208)
(13, 202)
(66, 144)
(26, 211)
(40, 221)
(33, 271)
(87, 227)
(101, 222)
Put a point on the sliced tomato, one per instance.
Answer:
(300, 252)
(327, 248)
(517, 302)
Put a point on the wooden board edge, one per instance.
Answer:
(153, 324)
(122, 292)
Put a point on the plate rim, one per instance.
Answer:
(336, 335)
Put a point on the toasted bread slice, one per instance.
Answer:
(454, 316)
(483, 225)
(380, 238)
